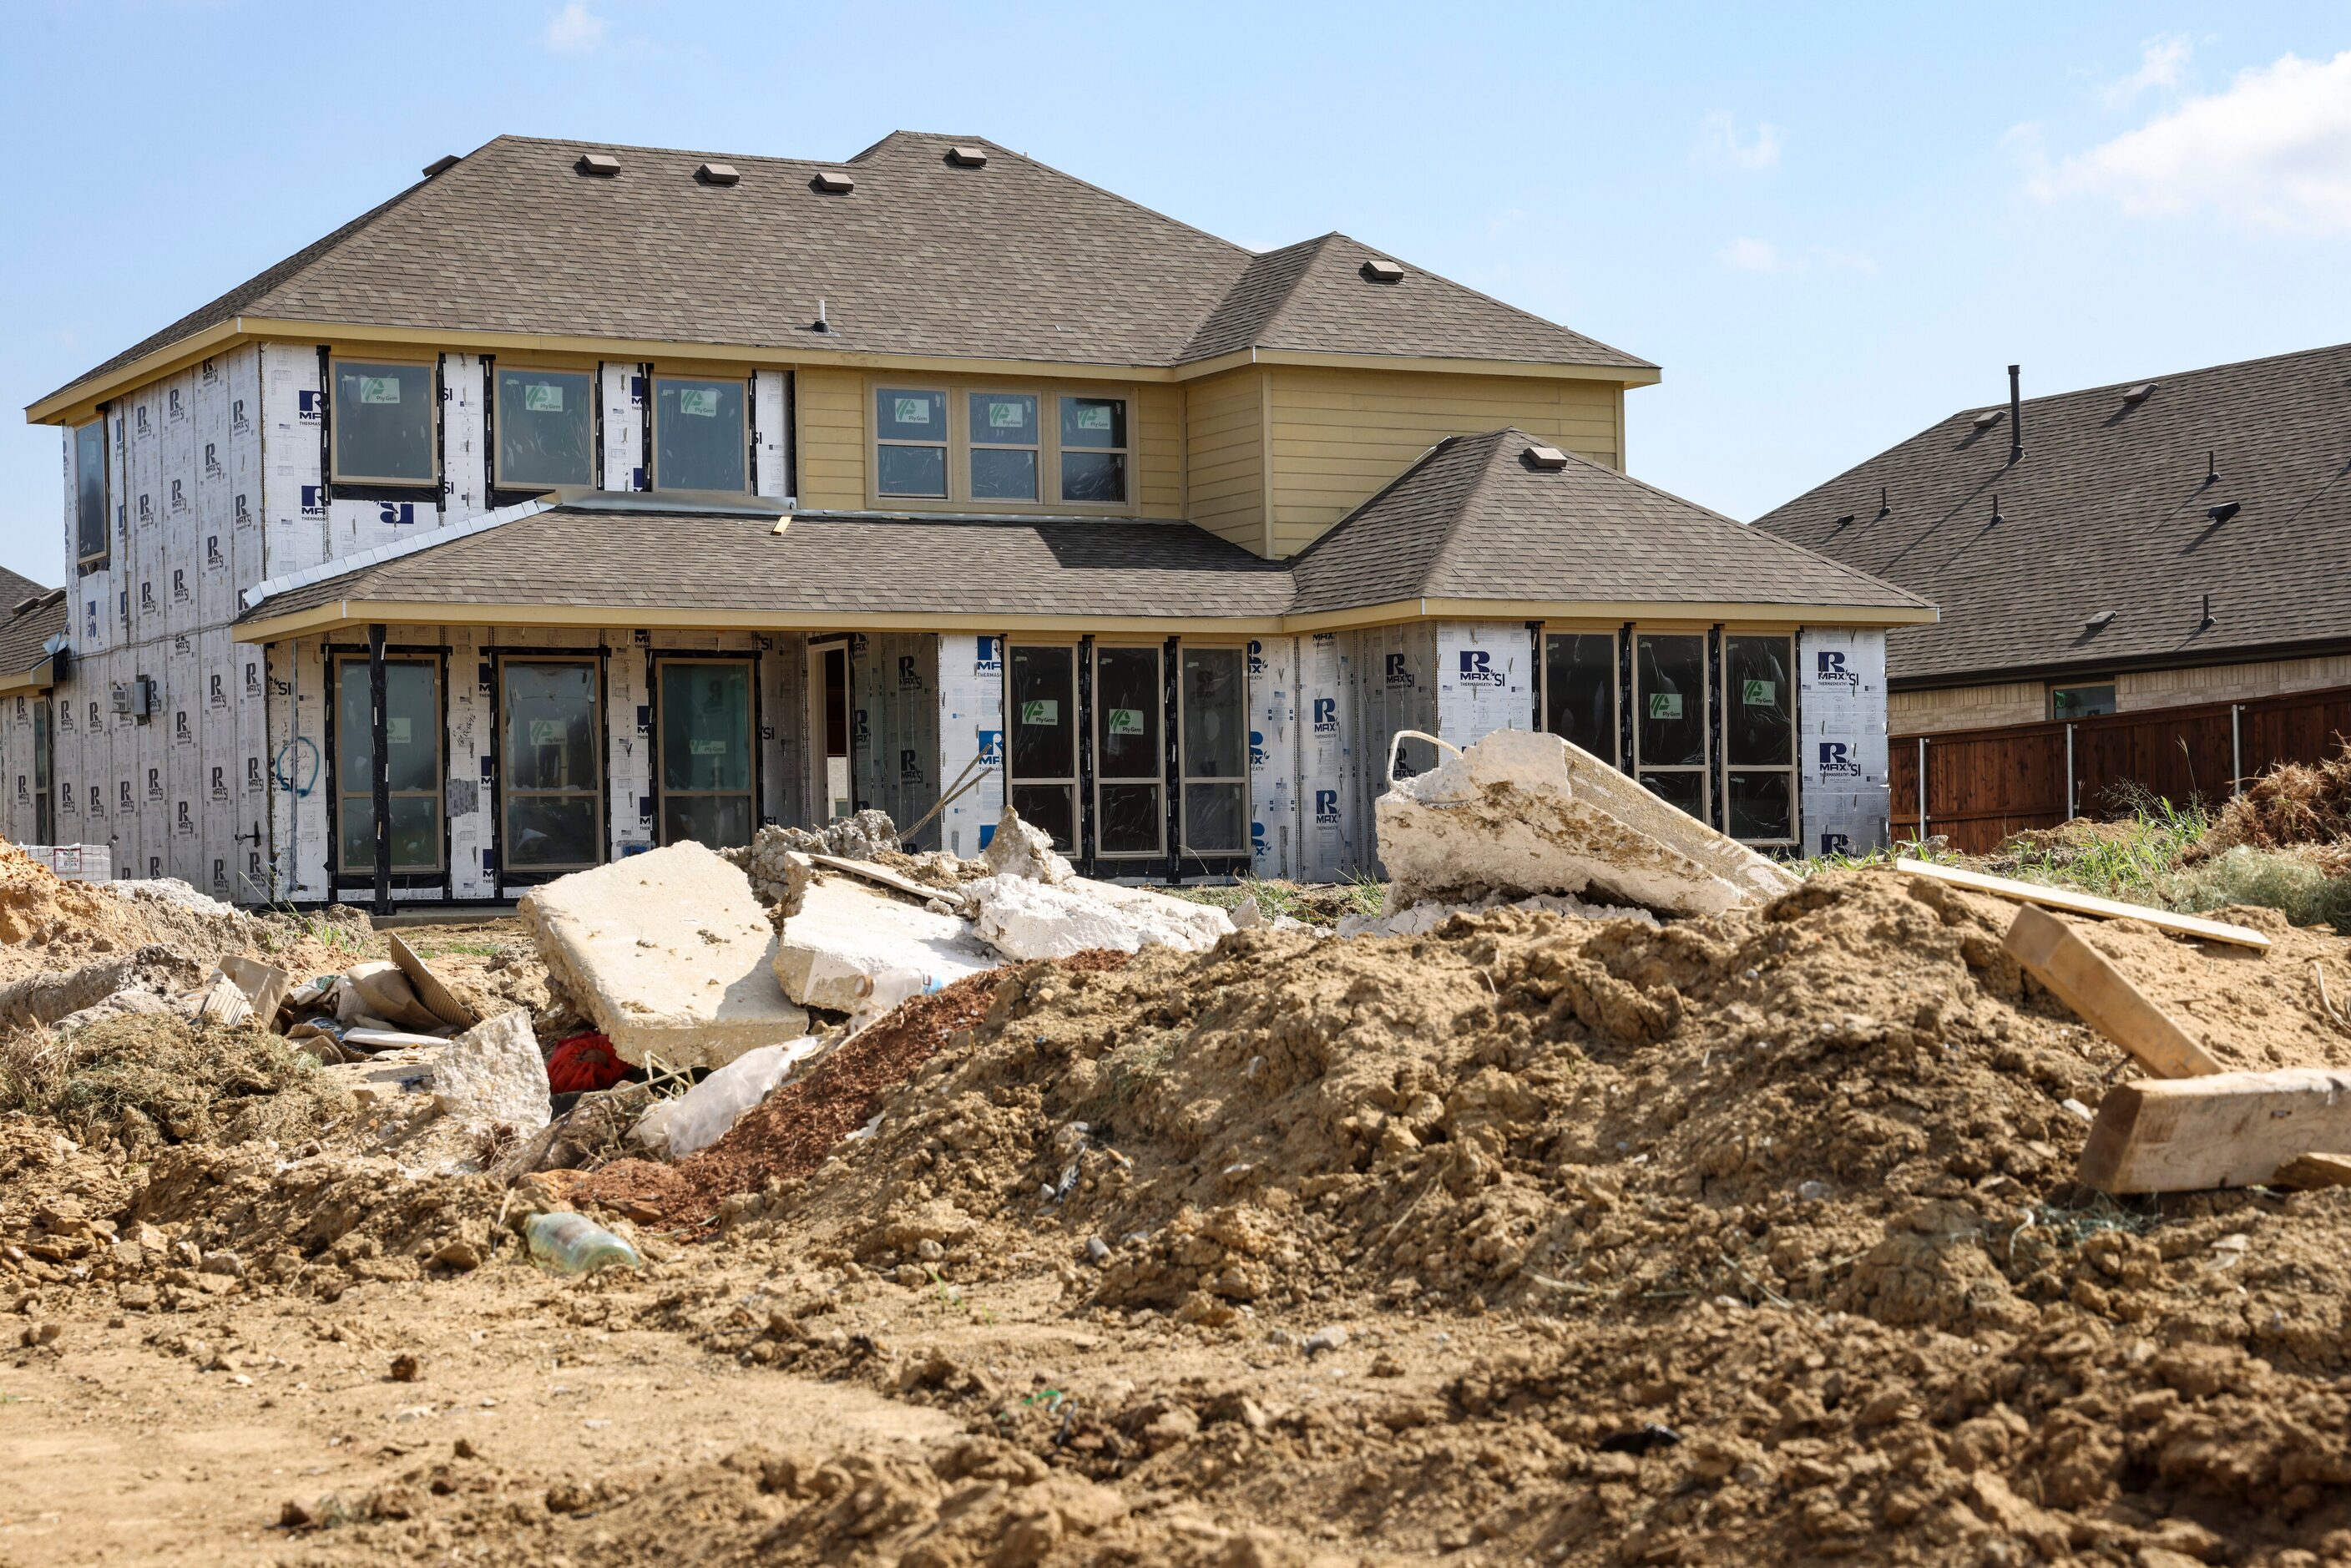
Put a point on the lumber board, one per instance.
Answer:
(2316, 1170)
(883, 876)
(2085, 980)
(2223, 1130)
(2073, 903)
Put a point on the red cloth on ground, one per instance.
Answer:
(583, 1063)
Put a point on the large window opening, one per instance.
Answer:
(1093, 450)
(704, 714)
(550, 774)
(384, 414)
(1041, 715)
(701, 438)
(1670, 720)
(2081, 702)
(1213, 715)
(909, 431)
(547, 428)
(1580, 692)
(413, 756)
(1759, 739)
(1130, 759)
(1005, 442)
(90, 515)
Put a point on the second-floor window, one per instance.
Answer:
(383, 419)
(89, 491)
(701, 435)
(987, 449)
(547, 427)
(1093, 450)
(911, 442)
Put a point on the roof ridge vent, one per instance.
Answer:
(718, 175)
(1379, 269)
(965, 156)
(2139, 394)
(1539, 456)
(446, 162)
(602, 165)
(833, 183)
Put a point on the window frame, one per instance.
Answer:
(509, 793)
(1074, 781)
(958, 391)
(1614, 756)
(45, 740)
(662, 793)
(105, 550)
(1157, 778)
(336, 360)
(1125, 451)
(499, 479)
(947, 443)
(652, 423)
(1185, 778)
(2051, 690)
(1786, 636)
(338, 661)
(1704, 767)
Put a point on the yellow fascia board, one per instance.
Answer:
(27, 681)
(343, 613)
(75, 403)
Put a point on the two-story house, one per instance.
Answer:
(582, 498)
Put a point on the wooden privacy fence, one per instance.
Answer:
(1976, 787)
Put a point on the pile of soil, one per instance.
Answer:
(794, 1130)
(1794, 1182)
(2294, 805)
(49, 924)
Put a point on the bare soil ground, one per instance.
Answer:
(1748, 1239)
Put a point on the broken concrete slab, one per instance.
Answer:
(1521, 813)
(670, 953)
(492, 1075)
(1025, 919)
(849, 946)
(766, 859)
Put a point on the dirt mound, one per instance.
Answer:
(150, 1078)
(2293, 804)
(793, 1131)
(49, 924)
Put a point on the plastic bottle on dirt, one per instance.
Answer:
(572, 1243)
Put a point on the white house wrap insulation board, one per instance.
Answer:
(771, 435)
(1326, 724)
(895, 725)
(1486, 679)
(971, 727)
(1395, 670)
(1842, 764)
(623, 410)
(1273, 756)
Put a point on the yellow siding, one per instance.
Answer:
(1159, 451)
(831, 406)
(1224, 435)
(1339, 436)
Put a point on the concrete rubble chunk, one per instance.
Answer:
(1018, 849)
(670, 953)
(853, 948)
(768, 859)
(1521, 813)
(1025, 919)
(492, 1075)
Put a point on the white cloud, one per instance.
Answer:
(1750, 255)
(2162, 62)
(574, 30)
(2274, 151)
(1719, 145)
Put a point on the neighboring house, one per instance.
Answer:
(32, 627)
(2170, 541)
(584, 498)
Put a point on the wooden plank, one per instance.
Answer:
(883, 876)
(2073, 903)
(2228, 1129)
(2314, 1171)
(2085, 980)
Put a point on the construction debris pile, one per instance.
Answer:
(1644, 1204)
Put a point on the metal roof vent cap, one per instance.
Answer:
(1381, 270)
(2140, 393)
(603, 165)
(833, 183)
(1988, 418)
(964, 157)
(718, 175)
(446, 160)
(2100, 621)
(1541, 456)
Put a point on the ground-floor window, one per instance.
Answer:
(1758, 741)
(1213, 711)
(551, 772)
(1130, 760)
(1042, 740)
(44, 822)
(413, 764)
(704, 709)
(1670, 719)
(1580, 691)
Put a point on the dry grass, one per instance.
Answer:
(2293, 805)
(146, 1078)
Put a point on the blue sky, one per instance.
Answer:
(1830, 226)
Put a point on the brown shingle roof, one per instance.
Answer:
(1015, 260)
(1474, 519)
(2108, 510)
(23, 630)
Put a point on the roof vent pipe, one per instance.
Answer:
(2015, 418)
(821, 324)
